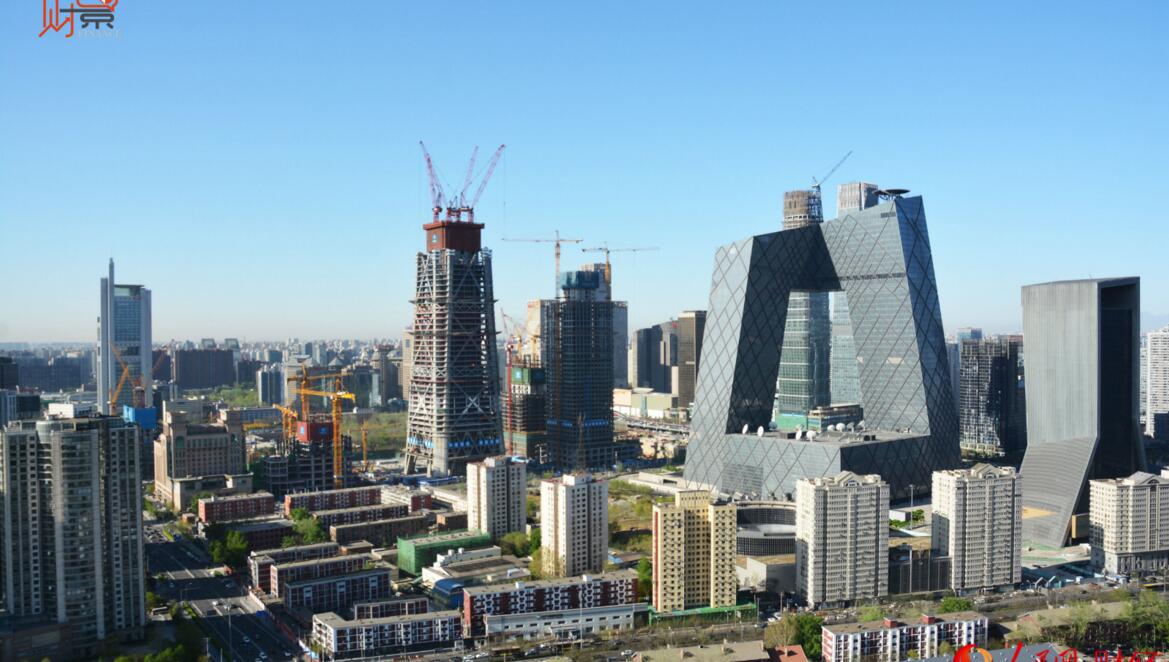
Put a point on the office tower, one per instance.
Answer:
(1081, 398)
(124, 344)
(881, 258)
(645, 359)
(71, 527)
(1157, 384)
(193, 448)
(574, 525)
(843, 378)
(992, 407)
(620, 344)
(978, 523)
(270, 385)
(803, 361)
(576, 353)
(842, 539)
(497, 499)
(15, 406)
(693, 553)
(9, 373)
(454, 376)
(203, 368)
(1129, 530)
(691, 326)
(525, 419)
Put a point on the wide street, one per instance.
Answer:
(187, 575)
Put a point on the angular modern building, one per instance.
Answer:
(1082, 403)
(992, 407)
(123, 344)
(843, 380)
(803, 360)
(453, 362)
(880, 257)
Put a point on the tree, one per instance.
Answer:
(231, 551)
(536, 567)
(951, 604)
(152, 600)
(645, 579)
(1080, 615)
(796, 630)
(515, 544)
(534, 540)
(871, 613)
(308, 529)
(945, 648)
(785, 632)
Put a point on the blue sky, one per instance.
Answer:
(256, 163)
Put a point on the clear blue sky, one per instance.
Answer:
(256, 163)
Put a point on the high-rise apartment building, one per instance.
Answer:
(576, 348)
(270, 385)
(1082, 416)
(497, 495)
(978, 523)
(454, 371)
(1157, 384)
(691, 327)
(842, 539)
(693, 553)
(123, 343)
(71, 527)
(992, 405)
(1129, 523)
(203, 368)
(574, 525)
(803, 360)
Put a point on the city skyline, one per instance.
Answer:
(261, 155)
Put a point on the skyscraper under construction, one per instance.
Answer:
(454, 380)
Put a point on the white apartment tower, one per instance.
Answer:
(497, 495)
(1129, 523)
(574, 524)
(693, 552)
(978, 523)
(123, 345)
(842, 538)
(1157, 384)
(71, 527)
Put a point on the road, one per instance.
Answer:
(188, 575)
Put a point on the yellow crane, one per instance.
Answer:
(557, 240)
(604, 248)
(338, 449)
(121, 380)
(304, 380)
(289, 417)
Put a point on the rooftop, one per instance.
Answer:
(446, 536)
(873, 626)
(284, 567)
(734, 651)
(372, 572)
(551, 583)
(238, 497)
(332, 620)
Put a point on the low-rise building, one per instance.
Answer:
(415, 553)
(260, 562)
(396, 606)
(342, 639)
(283, 574)
(263, 533)
(333, 499)
(891, 641)
(474, 572)
(383, 532)
(1129, 523)
(549, 602)
(360, 514)
(236, 507)
(415, 498)
(338, 594)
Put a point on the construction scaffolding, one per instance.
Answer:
(525, 420)
(454, 384)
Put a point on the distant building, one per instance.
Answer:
(270, 385)
(620, 344)
(1129, 521)
(842, 539)
(16, 406)
(978, 523)
(693, 553)
(124, 344)
(203, 368)
(574, 525)
(992, 405)
(891, 641)
(1082, 409)
(9, 373)
(691, 326)
(497, 495)
(1157, 384)
(71, 528)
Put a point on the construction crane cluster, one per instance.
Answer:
(300, 385)
(459, 204)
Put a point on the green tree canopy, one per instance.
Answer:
(951, 604)
(515, 544)
(645, 579)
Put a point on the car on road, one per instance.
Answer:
(247, 639)
(628, 652)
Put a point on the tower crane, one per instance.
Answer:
(557, 241)
(816, 183)
(458, 204)
(338, 449)
(303, 381)
(604, 248)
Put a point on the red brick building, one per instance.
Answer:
(283, 574)
(360, 514)
(333, 499)
(571, 593)
(236, 507)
